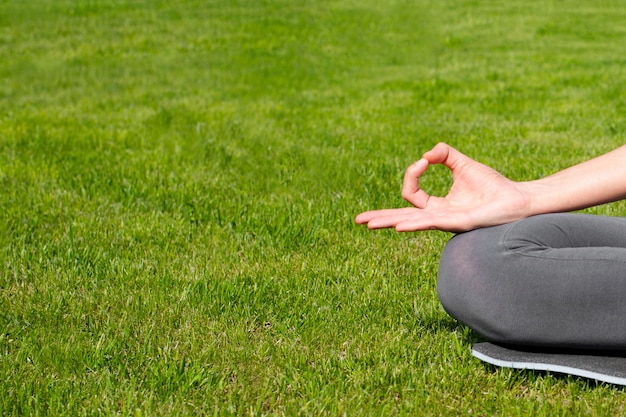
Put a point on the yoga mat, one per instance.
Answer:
(605, 366)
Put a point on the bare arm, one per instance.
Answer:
(481, 197)
(597, 181)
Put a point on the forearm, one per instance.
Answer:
(597, 181)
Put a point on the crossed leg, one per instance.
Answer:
(555, 280)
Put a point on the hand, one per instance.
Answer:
(479, 197)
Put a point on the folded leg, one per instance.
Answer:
(556, 280)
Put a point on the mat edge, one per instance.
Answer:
(538, 366)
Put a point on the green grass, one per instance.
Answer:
(179, 181)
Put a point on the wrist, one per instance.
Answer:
(539, 198)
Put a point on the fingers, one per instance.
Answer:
(424, 223)
(407, 219)
(382, 219)
(446, 155)
(413, 220)
(411, 191)
(447, 223)
(368, 216)
(438, 154)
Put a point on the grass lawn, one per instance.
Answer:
(179, 181)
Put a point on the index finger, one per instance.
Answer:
(411, 191)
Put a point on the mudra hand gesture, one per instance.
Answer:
(481, 197)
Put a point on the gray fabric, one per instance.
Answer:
(556, 280)
(600, 365)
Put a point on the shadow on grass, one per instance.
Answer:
(442, 323)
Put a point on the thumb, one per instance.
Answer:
(446, 155)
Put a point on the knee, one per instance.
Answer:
(456, 285)
(468, 285)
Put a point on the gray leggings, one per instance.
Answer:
(555, 280)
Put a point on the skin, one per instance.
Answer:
(482, 197)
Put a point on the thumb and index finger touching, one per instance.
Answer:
(411, 192)
(443, 154)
